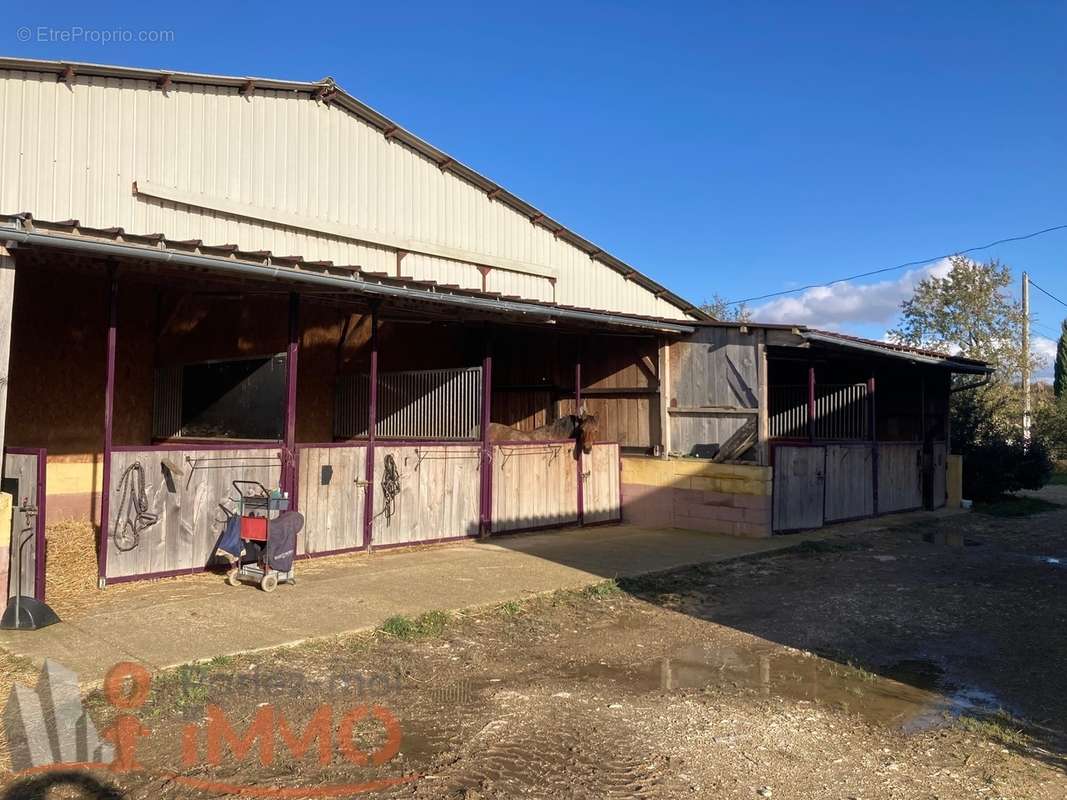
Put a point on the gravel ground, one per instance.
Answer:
(919, 661)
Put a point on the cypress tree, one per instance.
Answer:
(1059, 375)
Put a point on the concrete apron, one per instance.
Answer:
(178, 621)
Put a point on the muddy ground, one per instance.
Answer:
(927, 661)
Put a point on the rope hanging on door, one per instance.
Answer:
(390, 486)
(133, 509)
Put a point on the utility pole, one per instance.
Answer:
(1026, 361)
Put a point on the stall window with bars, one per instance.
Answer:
(841, 411)
(418, 404)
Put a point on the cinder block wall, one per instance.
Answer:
(697, 494)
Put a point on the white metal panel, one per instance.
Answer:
(74, 152)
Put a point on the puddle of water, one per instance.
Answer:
(914, 697)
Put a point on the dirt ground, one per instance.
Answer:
(924, 661)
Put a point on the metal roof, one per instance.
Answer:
(893, 350)
(23, 230)
(327, 91)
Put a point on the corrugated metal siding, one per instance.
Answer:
(74, 153)
(416, 404)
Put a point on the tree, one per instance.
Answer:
(970, 313)
(1059, 374)
(724, 311)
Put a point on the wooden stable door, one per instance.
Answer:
(22, 477)
(799, 487)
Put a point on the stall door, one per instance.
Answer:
(799, 478)
(25, 562)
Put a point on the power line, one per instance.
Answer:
(905, 265)
(1046, 291)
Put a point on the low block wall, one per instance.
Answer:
(697, 494)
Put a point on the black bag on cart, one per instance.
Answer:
(280, 548)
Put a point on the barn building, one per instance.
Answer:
(209, 279)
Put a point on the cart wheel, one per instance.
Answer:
(232, 579)
(269, 582)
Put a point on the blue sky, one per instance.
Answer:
(737, 148)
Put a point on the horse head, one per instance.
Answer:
(586, 430)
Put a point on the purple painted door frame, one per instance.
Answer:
(109, 416)
(292, 355)
(486, 472)
(372, 420)
(580, 459)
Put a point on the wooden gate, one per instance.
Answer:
(332, 492)
(900, 477)
(535, 485)
(601, 499)
(24, 479)
(849, 482)
(799, 487)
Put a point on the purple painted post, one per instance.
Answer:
(41, 546)
(580, 460)
(288, 476)
(811, 403)
(486, 526)
(372, 421)
(872, 409)
(109, 414)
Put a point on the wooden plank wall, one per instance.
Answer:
(849, 481)
(602, 498)
(438, 494)
(798, 487)
(190, 505)
(900, 485)
(714, 389)
(939, 465)
(534, 485)
(331, 498)
(23, 468)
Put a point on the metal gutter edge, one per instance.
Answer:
(947, 361)
(246, 269)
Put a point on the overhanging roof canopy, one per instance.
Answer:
(295, 273)
(914, 355)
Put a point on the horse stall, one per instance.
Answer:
(24, 479)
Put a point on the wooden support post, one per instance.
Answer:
(664, 373)
(7, 300)
(763, 424)
(289, 466)
(485, 526)
(579, 460)
(811, 403)
(372, 422)
(109, 416)
(872, 411)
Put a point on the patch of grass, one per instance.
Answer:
(181, 688)
(510, 608)
(1012, 506)
(1059, 478)
(999, 727)
(424, 626)
(608, 588)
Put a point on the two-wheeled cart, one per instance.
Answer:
(267, 531)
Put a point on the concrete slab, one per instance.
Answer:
(177, 621)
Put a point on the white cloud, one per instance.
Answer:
(846, 305)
